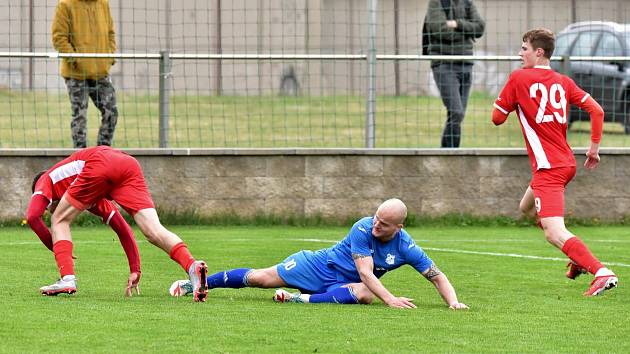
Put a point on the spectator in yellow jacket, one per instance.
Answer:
(86, 26)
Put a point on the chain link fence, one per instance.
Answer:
(301, 73)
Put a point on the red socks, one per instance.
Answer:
(577, 251)
(63, 256)
(180, 254)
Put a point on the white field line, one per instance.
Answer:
(495, 254)
(316, 240)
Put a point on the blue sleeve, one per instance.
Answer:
(359, 240)
(417, 258)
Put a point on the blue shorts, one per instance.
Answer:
(310, 273)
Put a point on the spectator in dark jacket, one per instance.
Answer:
(453, 26)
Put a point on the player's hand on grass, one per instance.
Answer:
(133, 283)
(458, 306)
(402, 303)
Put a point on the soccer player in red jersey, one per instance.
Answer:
(540, 97)
(104, 172)
(48, 187)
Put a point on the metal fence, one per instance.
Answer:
(294, 73)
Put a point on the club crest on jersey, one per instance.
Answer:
(390, 259)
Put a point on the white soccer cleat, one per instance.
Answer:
(601, 284)
(66, 285)
(282, 295)
(181, 288)
(197, 274)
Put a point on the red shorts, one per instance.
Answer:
(548, 186)
(111, 174)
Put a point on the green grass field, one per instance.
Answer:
(42, 120)
(517, 304)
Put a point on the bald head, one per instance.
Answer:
(393, 210)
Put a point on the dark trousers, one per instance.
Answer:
(454, 81)
(103, 95)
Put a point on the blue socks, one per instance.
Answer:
(338, 296)
(235, 278)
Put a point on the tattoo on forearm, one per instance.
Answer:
(432, 272)
(357, 256)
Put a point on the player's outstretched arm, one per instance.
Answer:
(365, 267)
(596, 114)
(34, 213)
(444, 287)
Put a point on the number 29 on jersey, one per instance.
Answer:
(556, 97)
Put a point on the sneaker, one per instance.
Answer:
(285, 296)
(197, 274)
(66, 285)
(575, 271)
(181, 288)
(600, 284)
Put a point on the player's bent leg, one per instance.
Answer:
(156, 234)
(63, 216)
(339, 295)
(555, 231)
(234, 279)
(149, 222)
(362, 293)
(264, 278)
(62, 248)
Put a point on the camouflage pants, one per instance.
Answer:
(103, 95)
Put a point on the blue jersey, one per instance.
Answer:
(387, 256)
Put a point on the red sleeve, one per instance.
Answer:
(110, 215)
(576, 95)
(596, 113)
(582, 99)
(125, 235)
(34, 212)
(506, 102)
(498, 117)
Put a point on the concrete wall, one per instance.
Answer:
(340, 182)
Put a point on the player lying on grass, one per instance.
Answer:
(541, 96)
(48, 188)
(347, 273)
(102, 172)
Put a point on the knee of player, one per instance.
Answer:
(151, 234)
(363, 295)
(552, 235)
(258, 278)
(366, 298)
(151, 231)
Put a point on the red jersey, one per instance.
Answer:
(541, 97)
(54, 183)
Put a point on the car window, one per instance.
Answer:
(584, 44)
(609, 46)
(563, 43)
